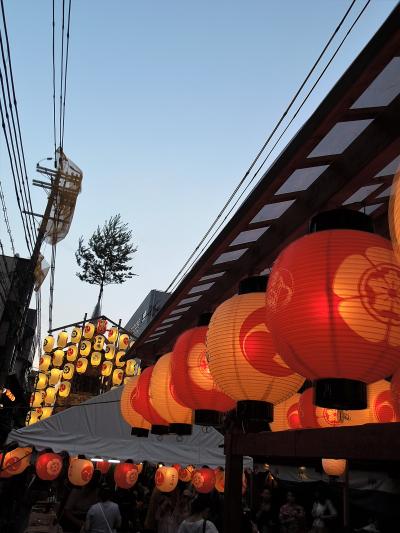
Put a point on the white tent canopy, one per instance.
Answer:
(96, 429)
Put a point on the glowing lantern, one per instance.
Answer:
(203, 480)
(48, 466)
(44, 363)
(101, 326)
(76, 335)
(185, 474)
(130, 367)
(33, 417)
(55, 376)
(38, 398)
(394, 214)
(110, 351)
(80, 471)
(112, 335)
(72, 353)
(85, 348)
(135, 420)
(81, 365)
(125, 475)
(332, 308)
(89, 330)
(58, 358)
(160, 392)
(166, 478)
(118, 376)
(62, 339)
(334, 467)
(48, 343)
(16, 461)
(106, 368)
(118, 358)
(382, 405)
(139, 467)
(98, 343)
(286, 415)
(191, 380)
(219, 480)
(65, 389)
(123, 341)
(95, 359)
(395, 388)
(50, 397)
(243, 359)
(142, 404)
(102, 466)
(68, 371)
(41, 382)
(46, 412)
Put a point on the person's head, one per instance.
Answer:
(266, 495)
(290, 497)
(320, 495)
(200, 505)
(105, 493)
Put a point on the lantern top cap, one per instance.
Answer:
(253, 284)
(341, 218)
(204, 319)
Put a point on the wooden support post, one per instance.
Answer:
(233, 488)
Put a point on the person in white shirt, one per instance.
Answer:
(197, 521)
(104, 516)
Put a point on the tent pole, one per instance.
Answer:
(233, 488)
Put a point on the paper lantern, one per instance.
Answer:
(112, 335)
(48, 343)
(331, 307)
(106, 368)
(16, 461)
(85, 348)
(110, 351)
(98, 343)
(139, 467)
(334, 467)
(41, 381)
(382, 405)
(89, 330)
(32, 418)
(55, 376)
(125, 475)
(123, 341)
(44, 363)
(101, 326)
(46, 412)
(394, 214)
(166, 478)
(37, 398)
(133, 418)
(65, 389)
(118, 376)
(80, 471)
(58, 358)
(191, 380)
(62, 339)
(186, 474)
(130, 367)
(81, 365)
(102, 466)
(220, 481)
(243, 359)
(72, 353)
(142, 404)
(286, 415)
(95, 358)
(68, 371)
(203, 480)
(50, 397)
(118, 358)
(48, 466)
(160, 392)
(76, 335)
(395, 388)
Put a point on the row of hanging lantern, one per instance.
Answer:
(329, 313)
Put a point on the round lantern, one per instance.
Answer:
(44, 363)
(101, 326)
(139, 467)
(334, 467)
(219, 480)
(85, 348)
(123, 341)
(125, 475)
(48, 343)
(166, 478)
(50, 397)
(118, 376)
(112, 335)
(331, 307)
(58, 358)
(68, 371)
(140, 426)
(95, 358)
(106, 368)
(89, 330)
(395, 388)
(118, 358)
(382, 405)
(65, 389)
(76, 335)
(16, 461)
(130, 367)
(33, 417)
(98, 343)
(394, 214)
(102, 466)
(203, 480)
(72, 353)
(55, 376)
(142, 404)
(186, 474)
(62, 339)
(243, 359)
(80, 471)
(286, 415)
(191, 380)
(41, 381)
(37, 398)
(110, 351)
(48, 466)
(46, 412)
(81, 365)
(160, 392)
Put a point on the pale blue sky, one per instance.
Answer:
(167, 104)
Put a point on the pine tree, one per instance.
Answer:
(104, 261)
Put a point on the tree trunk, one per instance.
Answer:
(97, 309)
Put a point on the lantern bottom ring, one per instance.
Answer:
(139, 432)
(254, 415)
(159, 429)
(207, 417)
(340, 393)
(181, 429)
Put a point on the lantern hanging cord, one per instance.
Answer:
(181, 274)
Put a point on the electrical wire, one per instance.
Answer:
(54, 89)
(65, 74)
(62, 66)
(6, 220)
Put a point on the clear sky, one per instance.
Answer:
(167, 104)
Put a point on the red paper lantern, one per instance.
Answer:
(186, 474)
(101, 326)
(382, 405)
(125, 475)
(16, 461)
(133, 418)
(334, 467)
(177, 467)
(395, 388)
(166, 478)
(203, 480)
(102, 466)
(142, 405)
(80, 471)
(220, 481)
(49, 466)
(286, 415)
(333, 307)
(191, 380)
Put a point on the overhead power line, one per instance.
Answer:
(6, 220)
